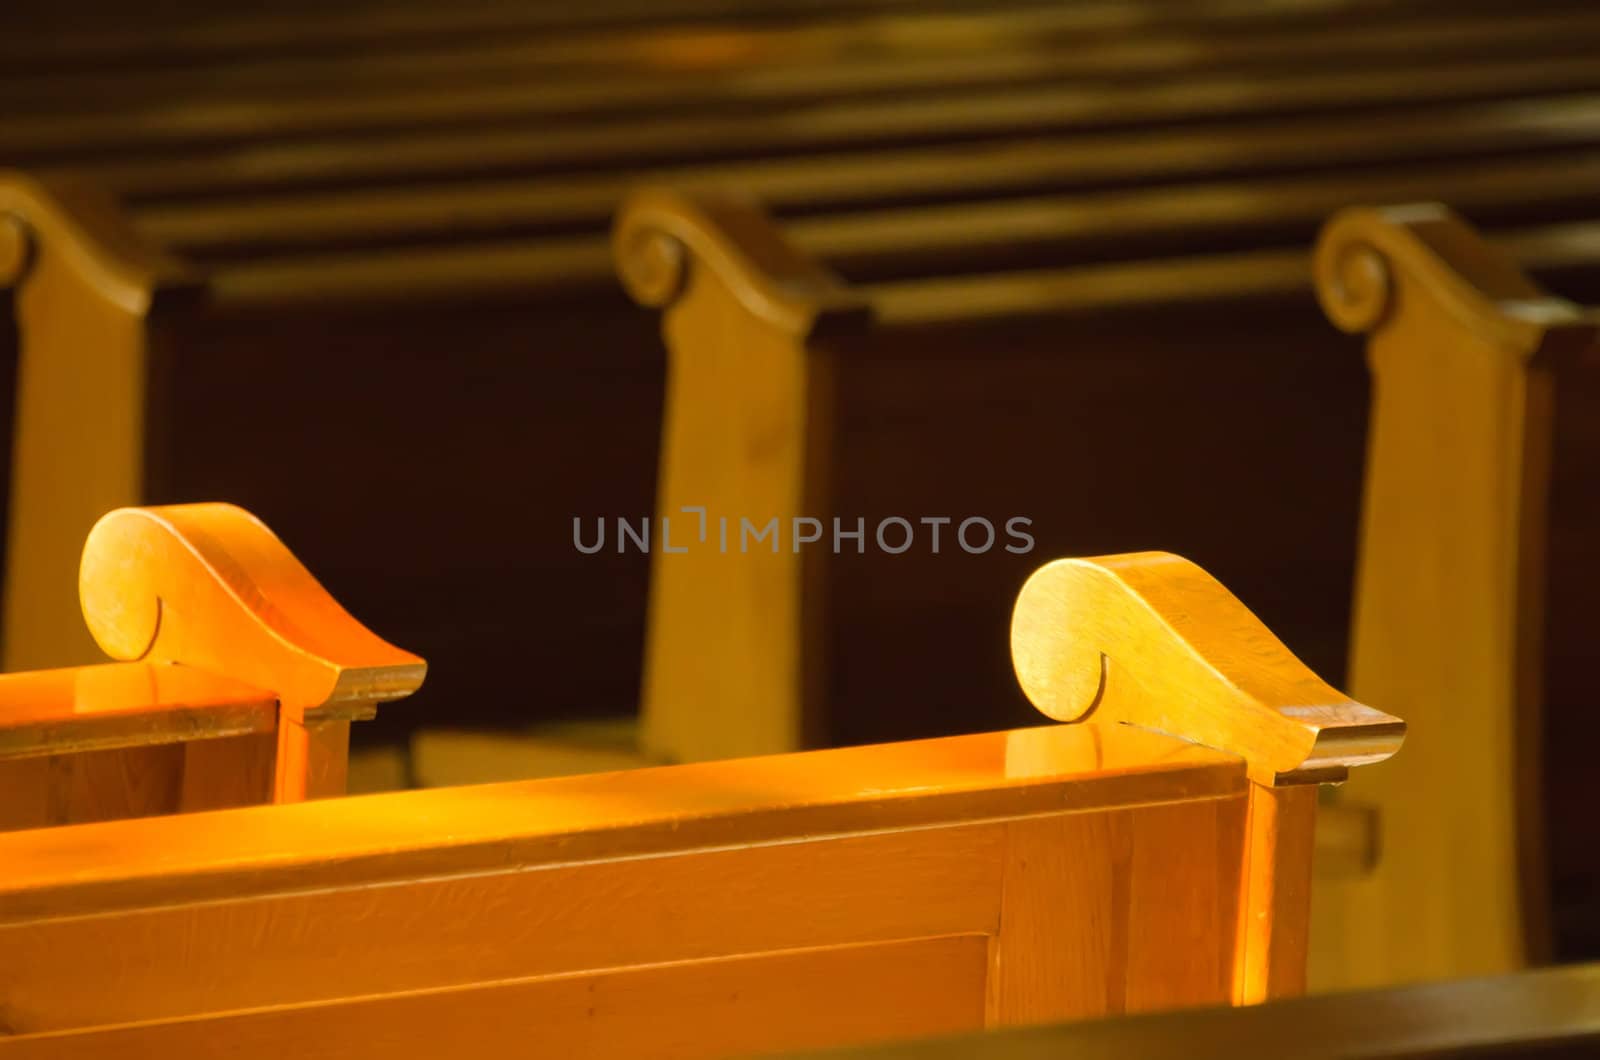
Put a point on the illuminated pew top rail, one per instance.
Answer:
(1553, 1012)
(763, 903)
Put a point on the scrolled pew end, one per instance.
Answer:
(1366, 258)
(210, 586)
(84, 228)
(1150, 639)
(661, 236)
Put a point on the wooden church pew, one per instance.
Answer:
(391, 275)
(1477, 554)
(769, 347)
(786, 401)
(369, 300)
(271, 401)
(240, 681)
(792, 901)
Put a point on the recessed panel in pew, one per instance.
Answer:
(790, 901)
(241, 681)
(1486, 396)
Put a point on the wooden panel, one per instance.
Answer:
(358, 940)
(388, 893)
(1117, 912)
(803, 999)
(86, 786)
(649, 811)
(222, 774)
(1275, 897)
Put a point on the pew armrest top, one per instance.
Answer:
(209, 586)
(662, 237)
(1365, 257)
(92, 708)
(84, 226)
(1150, 639)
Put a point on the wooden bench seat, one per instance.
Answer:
(799, 900)
(242, 679)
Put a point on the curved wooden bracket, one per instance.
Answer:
(1152, 640)
(208, 585)
(92, 237)
(1366, 257)
(659, 233)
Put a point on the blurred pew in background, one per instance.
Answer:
(1478, 563)
(378, 240)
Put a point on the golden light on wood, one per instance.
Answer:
(1150, 639)
(240, 680)
(209, 585)
(1063, 872)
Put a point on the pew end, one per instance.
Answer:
(1465, 351)
(739, 307)
(238, 678)
(1150, 639)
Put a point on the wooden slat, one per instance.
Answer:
(228, 43)
(637, 812)
(957, 117)
(880, 176)
(727, 1007)
(412, 106)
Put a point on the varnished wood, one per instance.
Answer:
(84, 300)
(1449, 600)
(496, 244)
(1187, 648)
(1006, 878)
(728, 629)
(241, 678)
(89, 708)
